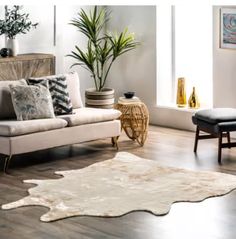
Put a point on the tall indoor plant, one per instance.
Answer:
(15, 23)
(101, 52)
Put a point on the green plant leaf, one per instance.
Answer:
(15, 22)
(102, 49)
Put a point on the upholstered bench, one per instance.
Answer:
(218, 122)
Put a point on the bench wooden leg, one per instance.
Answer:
(219, 147)
(196, 139)
(228, 138)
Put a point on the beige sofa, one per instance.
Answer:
(17, 137)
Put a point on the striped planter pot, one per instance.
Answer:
(99, 99)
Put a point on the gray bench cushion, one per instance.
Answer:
(15, 128)
(217, 115)
(88, 115)
(227, 126)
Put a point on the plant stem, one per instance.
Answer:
(95, 81)
(104, 80)
(97, 64)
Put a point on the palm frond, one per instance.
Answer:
(102, 49)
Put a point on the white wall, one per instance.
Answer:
(136, 70)
(67, 37)
(40, 40)
(224, 68)
(224, 82)
(2, 37)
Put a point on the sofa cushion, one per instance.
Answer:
(15, 128)
(216, 115)
(73, 85)
(59, 92)
(6, 106)
(87, 115)
(32, 102)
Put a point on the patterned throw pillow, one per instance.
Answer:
(31, 102)
(58, 89)
(6, 107)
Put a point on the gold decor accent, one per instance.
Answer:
(181, 93)
(134, 120)
(193, 101)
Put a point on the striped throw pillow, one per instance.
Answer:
(59, 92)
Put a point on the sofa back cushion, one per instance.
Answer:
(6, 106)
(73, 84)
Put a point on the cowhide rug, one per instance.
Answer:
(120, 185)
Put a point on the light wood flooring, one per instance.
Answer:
(214, 218)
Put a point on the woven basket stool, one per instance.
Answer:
(134, 120)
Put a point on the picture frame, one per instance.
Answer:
(228, 28)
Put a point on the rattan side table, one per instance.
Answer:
(134, 120)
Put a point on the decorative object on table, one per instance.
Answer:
(121, 185)
(134, 120)
(15, 23)
(193, 101)
(181, 93)
(102, 50)
(126, 100)
(5, 52)
(228, 28)
(13, 45)
(129, 94)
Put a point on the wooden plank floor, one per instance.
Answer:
(212, 218)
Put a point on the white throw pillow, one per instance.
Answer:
(73, 86)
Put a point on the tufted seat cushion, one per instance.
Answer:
(87, 115)
(16, 128)
(216, 115)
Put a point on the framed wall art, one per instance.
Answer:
(228, 28)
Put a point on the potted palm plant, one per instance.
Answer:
(101, 52)
(15, 23)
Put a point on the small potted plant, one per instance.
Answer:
(101, 52)
(15, 23)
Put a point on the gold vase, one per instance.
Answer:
(181, 93)
(193, 101)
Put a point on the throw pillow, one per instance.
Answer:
(31, 102)
(6, 107)
(73, 84)
(59, 92)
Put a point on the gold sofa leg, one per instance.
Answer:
(114, 141)
(7, 162)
